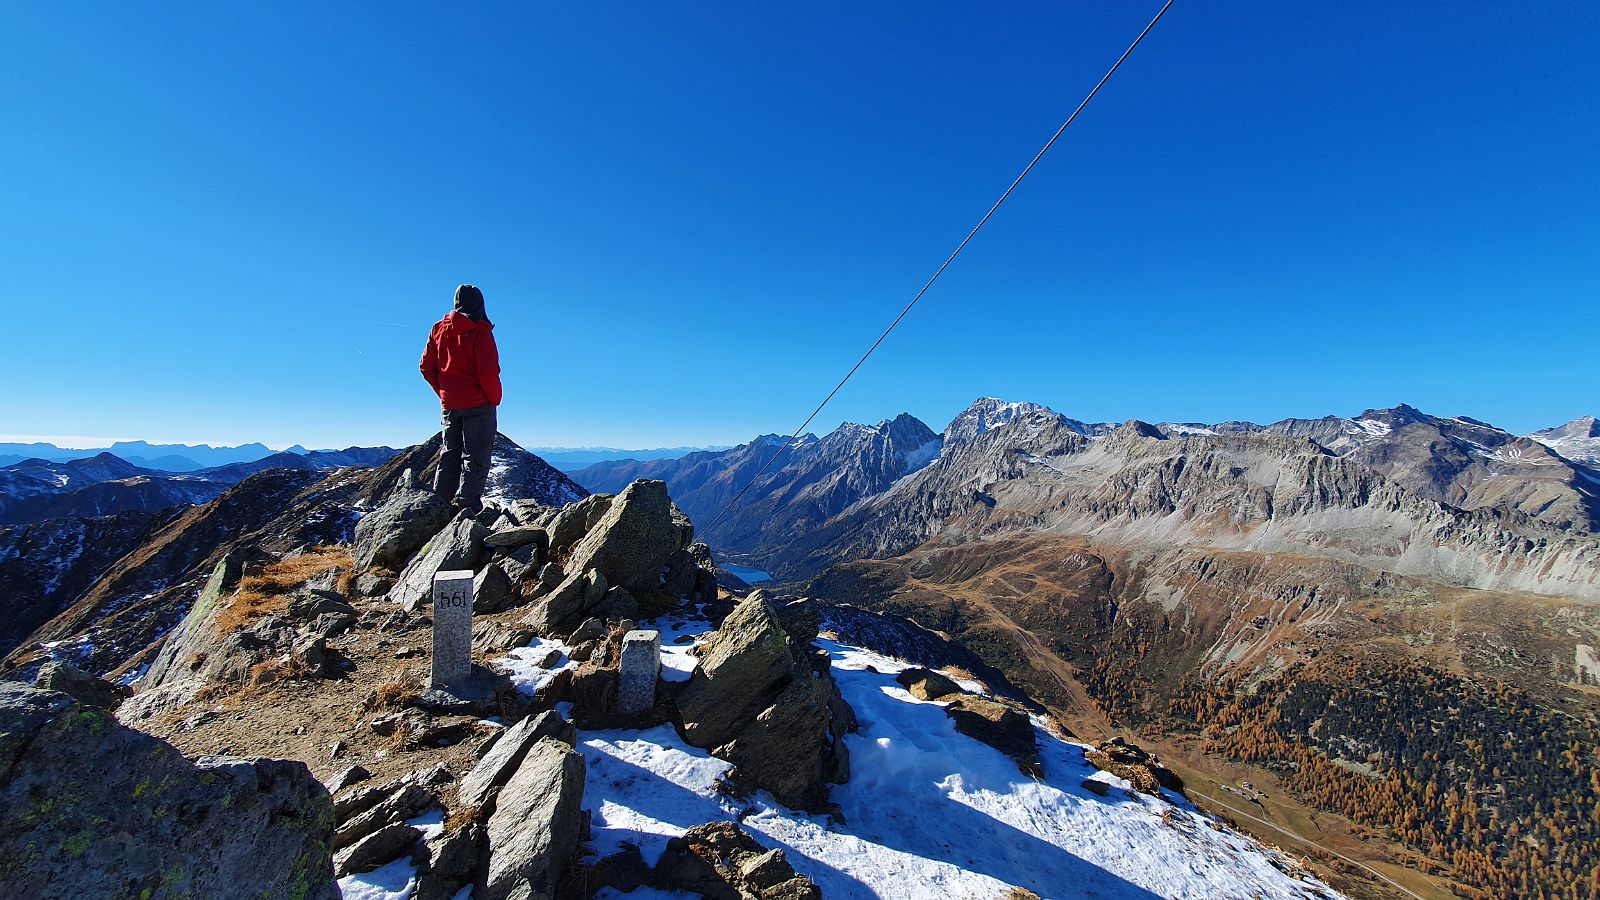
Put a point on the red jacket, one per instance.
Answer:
(461, 362)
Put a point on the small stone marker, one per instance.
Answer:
(452, 627)
(641, 664)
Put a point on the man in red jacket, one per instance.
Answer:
(462, 365)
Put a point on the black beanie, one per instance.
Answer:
(469, 302)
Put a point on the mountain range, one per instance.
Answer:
(1421, 494)
(38, 489)
(197, 457)
(1315, 622)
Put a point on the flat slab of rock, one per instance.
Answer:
(506, 755)
(534, 831)
(926, 684)
(516, 536)
(458, 546)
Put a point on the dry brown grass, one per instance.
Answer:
(394, 695)
(265, 593)
(271, 671)
(1019, 893)
(461, 818)
(403, 738)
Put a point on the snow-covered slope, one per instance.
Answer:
(929, 812)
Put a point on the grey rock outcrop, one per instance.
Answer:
(87, 689)
(575, 520)
(458, 546)
(387, 536)
(768, 704)
(567, 603)
(720, 861)
(89, 808)
(534, 831)
(506, 754)
(634, 540)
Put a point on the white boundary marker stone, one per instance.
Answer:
(641, 664)
(452, 628)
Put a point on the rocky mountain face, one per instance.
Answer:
(808, 485)
(625, 724)
(1458, 461)
(1228, 589)
(101, 620)
(1578, 440)
(36, 490)
(46, 566)
(1263, 491)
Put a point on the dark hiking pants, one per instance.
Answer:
(464, 461)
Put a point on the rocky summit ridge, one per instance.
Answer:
(281, 738)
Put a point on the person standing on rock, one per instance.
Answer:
(462, 365)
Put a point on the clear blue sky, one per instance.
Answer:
(233, 222)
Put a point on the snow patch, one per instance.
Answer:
(929, 812)
(391, 882)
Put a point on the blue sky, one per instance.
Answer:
(225, 224)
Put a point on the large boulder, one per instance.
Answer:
(565, 606)
(573, 521)
(634, 540)
(387, 536)
(538, 819)
(720, 861)
(504, 757)
(1002, 725)
(90, 690)
(769, 705)
(89, 808)
(458, 546)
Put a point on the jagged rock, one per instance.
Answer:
(503, 757)
(528, 512)
(742, 667)
(369, 584)
(90, 690)
(518, 536)
(926, 684)
(720, 861)
(549, 578)
(1000, 725)
(768, 706)
(801, 619)
(634, 539)
(388, 535)
(389, 807)
(534, 831)
(95, 809)
(348, 777)
(458, 546)
(678, 575)
(519, 563)
(616, 605)
(176, 661)
(571, 598)
(1126, 760)
(447, 863)
(592, 629)
(491, 591)
(324, 612)
(575, 520)
(376, 849)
